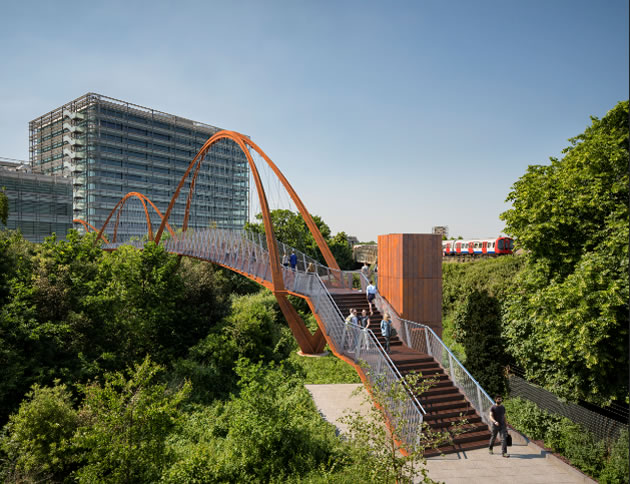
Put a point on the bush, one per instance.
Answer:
(271, 431)
(478, 329)
(125, 425)
(34, 442)
(571, 440)
(616, 470)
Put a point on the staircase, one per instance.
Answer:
(443, 402)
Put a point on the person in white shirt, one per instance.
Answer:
(370, 292)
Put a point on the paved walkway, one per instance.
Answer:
(528, 463)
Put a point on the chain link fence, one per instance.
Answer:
(601, 426)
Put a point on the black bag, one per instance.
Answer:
(508, 440)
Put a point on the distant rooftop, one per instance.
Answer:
(14, 165)
(92, 97)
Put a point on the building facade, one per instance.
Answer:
(111, 147)
(39, 205)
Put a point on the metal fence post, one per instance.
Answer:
(479, 400)
(450, 363)
(426, 336)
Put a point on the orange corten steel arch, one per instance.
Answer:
(87, 226)
(309, 343)
(143, 199)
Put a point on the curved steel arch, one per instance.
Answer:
(87, 226)
(309, 343)
(143, 199)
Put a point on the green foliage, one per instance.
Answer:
(617, 469)
(290, 228)
(35, 440)
(125, 423)
(478, 328)
(269, 432)
(571, 440)
(375, 448)
(253, 328)
(71, 311)
(568, 320)
(325, 370)
(494, 275)
(342, 251)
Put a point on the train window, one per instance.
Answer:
(511, 244)
(500, 244)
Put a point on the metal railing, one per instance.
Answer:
(247, 252)
(423, 339)
(361, 346)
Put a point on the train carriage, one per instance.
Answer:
(478, 247)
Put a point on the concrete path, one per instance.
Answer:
(528, 464)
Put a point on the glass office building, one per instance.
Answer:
(111, 147)
(39, 205)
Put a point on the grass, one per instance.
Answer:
(325, 369)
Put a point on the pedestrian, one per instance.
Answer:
(386, 330)
(293, 260)
(352, 317)
(311, 267)
(364, 322)
(499, 426)
(365, 270)
(285, 260)
(364, 319)
(370, 293)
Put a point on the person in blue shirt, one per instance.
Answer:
(386, 330)
(293, 260)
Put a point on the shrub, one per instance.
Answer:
(478, 328)
(571, 440)
(616, 470)
(35, 439)
(125, 425)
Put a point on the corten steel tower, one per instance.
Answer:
(111, 147)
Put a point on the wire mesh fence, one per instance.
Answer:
(601, 426)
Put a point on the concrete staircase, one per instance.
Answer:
(443, 402)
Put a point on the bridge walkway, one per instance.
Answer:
(329, 294)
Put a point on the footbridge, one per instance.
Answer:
(329, 292)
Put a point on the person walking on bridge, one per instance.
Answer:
(370, 293)
(499, 425)
(293, 261)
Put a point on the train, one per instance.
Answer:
(478, 247)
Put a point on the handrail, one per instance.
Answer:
(385, 354)
(383, 305)
(246, 252)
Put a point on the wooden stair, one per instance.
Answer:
(443, 402)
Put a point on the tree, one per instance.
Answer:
(568, 322)
(35, 440)
(290, 228)
(478, 329)
(125, 424)
(269, 432)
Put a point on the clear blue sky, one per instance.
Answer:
(385, 116)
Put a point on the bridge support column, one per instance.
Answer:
(310, 344)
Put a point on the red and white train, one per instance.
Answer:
(499, 246)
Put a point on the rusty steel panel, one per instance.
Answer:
(410, 276)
